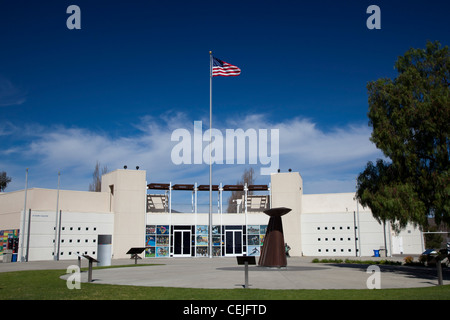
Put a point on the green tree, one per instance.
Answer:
(4, 180)
(433, 240)
(410, 116)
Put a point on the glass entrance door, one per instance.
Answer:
(233, 242)
(182, 243)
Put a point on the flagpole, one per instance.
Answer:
(22, 233)
(210, 162)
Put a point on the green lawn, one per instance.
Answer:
(47, 285)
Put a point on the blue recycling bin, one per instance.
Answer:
(376, 253)
(14, 257)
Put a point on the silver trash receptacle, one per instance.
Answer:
(104, 249)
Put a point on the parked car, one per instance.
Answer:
(429, 257)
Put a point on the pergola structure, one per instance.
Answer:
(163, 203)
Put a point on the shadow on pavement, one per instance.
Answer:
(420, 272)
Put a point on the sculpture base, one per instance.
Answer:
(272, 268)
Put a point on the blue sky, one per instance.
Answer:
(115, 90)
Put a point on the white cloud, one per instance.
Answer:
(327, 160)
(302, 142)
(10, 94)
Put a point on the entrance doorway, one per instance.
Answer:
(182, 243)
(233, 242)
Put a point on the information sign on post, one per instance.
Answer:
(246, 260)
(91, 260)
(134, 253)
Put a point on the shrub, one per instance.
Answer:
(423, 259)
(408, 260)
(349, 261)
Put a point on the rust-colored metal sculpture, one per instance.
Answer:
(273, 253)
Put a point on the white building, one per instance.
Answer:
(60, 224)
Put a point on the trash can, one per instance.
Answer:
(104, 249)
(14, 257)
(376, 253)
(7, 255)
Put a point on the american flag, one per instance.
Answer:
(222, 68)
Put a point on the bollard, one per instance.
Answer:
(439, 272)
(246, 275)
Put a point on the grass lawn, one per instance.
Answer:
(47, 285)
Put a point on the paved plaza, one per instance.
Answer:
(224, 273)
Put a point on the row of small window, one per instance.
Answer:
(334, 228)
(78, 240)
(334, 239)
(70, 253)
(334, 250)
(79, 228)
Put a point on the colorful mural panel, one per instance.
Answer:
(157, 241)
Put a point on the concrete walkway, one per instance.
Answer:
(224, 273)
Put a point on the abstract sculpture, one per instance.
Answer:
(273, 252)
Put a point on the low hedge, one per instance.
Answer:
(350, 261)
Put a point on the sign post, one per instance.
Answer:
(91, 260)
(246, 260)
(134, 253)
